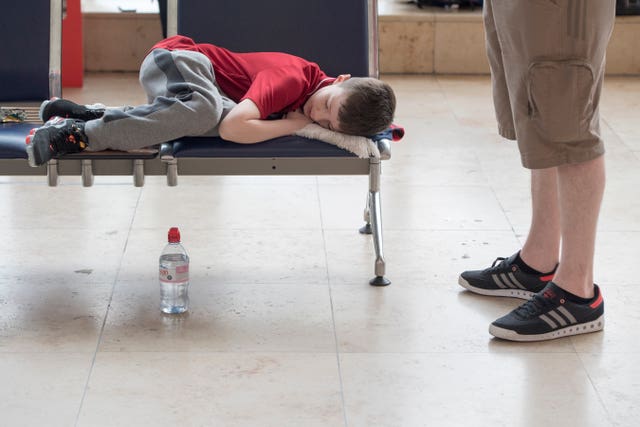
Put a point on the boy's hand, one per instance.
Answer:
(298, 118)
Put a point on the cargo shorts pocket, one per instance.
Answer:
(560, 96)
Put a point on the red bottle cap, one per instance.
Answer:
(174, 235)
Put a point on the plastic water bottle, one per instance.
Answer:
(174, 275)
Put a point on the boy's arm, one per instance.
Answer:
(243, 124)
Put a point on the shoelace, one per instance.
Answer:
(495, 267)
(534, 307)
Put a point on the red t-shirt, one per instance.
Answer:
(276, 82)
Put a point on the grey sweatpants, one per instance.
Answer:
(183, 100)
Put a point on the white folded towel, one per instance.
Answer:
(359, 145)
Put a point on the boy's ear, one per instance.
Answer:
(341, 78)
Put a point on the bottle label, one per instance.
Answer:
(175, 275)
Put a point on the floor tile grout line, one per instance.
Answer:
(104, 320)
(337, 353)
(593, 385)
(604, 121)
(501, 205)
(333, 319)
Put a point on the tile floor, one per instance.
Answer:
(284, 329)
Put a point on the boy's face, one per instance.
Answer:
(323, 106)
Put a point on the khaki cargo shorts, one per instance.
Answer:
(547, 65)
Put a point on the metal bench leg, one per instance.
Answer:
(366, 228)
(87, 173)
(172, 171)
(52, 172)
(375, 214)
(138, 173)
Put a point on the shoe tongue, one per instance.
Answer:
(512, 259)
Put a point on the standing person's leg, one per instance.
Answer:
(559, 128)
(581, 187)
(571, 304)
(553, 58)
(541, 250)
(500, 91)
(526, 272)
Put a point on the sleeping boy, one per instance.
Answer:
(199, 89)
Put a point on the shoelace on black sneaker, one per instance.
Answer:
(495, 267)
(534, 307)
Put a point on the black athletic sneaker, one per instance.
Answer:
(549, 315)
(55, 137)
(57, 107)
(504, 279)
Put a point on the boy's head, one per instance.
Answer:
(356, 106)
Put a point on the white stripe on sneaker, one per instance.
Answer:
(515, 281)
(507, 281)
(567, 314)
(558, 318)
(548, 321)
(498, 282)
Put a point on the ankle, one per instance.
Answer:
(535, 266)
(579, 289)
(578, 294)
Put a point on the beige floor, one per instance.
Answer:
(284, 329)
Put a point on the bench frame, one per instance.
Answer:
(161, 160)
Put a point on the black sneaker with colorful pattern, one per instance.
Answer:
(56, 137)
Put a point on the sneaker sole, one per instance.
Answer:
(30, 153)
(512, 293)
(37, 154)
(577, 329)
(30, 157)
